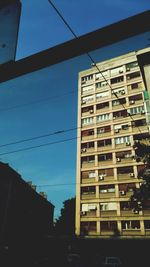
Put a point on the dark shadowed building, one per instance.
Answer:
(24, 214)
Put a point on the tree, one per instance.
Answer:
(65, 224)
(142, 194)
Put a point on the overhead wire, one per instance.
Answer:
(90, 57)
(39, 137)
(35, 102)
(38, 146)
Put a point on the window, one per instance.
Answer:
(120, 90)
(102, 105)
(104, 157)
(117, 80)
(87, 133)
(105, 129)
(122, 140)
(92, 174)
(107, 189)
(103, 117)
(88, 159)
(147, 225)
(129, 225)
(104, 94)
(108, 206)
(136, 85)
(116, 71)
(110, 225)
(101, 84)
(87, 78)
(136, 110)
(100, 75)
(87, 121)
(118, 102)
(88, 189)
(131, 65)
(103, 143)
(87, 89)
(133, 75)
(88, 109)
(87, 99)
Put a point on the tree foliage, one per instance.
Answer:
(65, 224)
(142, 194)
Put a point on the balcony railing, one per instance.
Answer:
(125, 176)
(132, 232)
(88, 180)
(129, 213)
(107, 195)
(91, 213)
(107, 232)
(88, 195)
(108, 213)
(106, 162)
(142, 128)
(88, 164)
(103, 148)
(89, 137)
(100, 135)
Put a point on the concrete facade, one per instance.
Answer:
(112, 114)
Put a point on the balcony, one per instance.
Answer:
(87, 134)
(118, 103)
(88, 228)
(90, 214)
(102, 107)
(104, 148)
(88, 195)
(107, 178)
(117, 81)
(104, 145)
(105, 134)
(85, 150)
(128, 213)
(88, 180)
(122, 130)
(108, 227)
(88, 164)
(135, 87)
(124, 176)
(107, 195)
(146, 212)
(108, 213)
(142, 128)
(133, 76)
(120, 115)
(131, 232)
(125, 160)
(87, 111)
(106, 162)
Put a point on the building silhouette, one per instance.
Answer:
(24, 214)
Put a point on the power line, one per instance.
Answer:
(37, 102)
(49, 185)
(38, 146)
(38, 137)
(44, 135)
(90, 57)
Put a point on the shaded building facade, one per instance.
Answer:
(24, 214)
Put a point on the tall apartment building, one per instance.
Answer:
(110, 119)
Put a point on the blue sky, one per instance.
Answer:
(56, 88)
